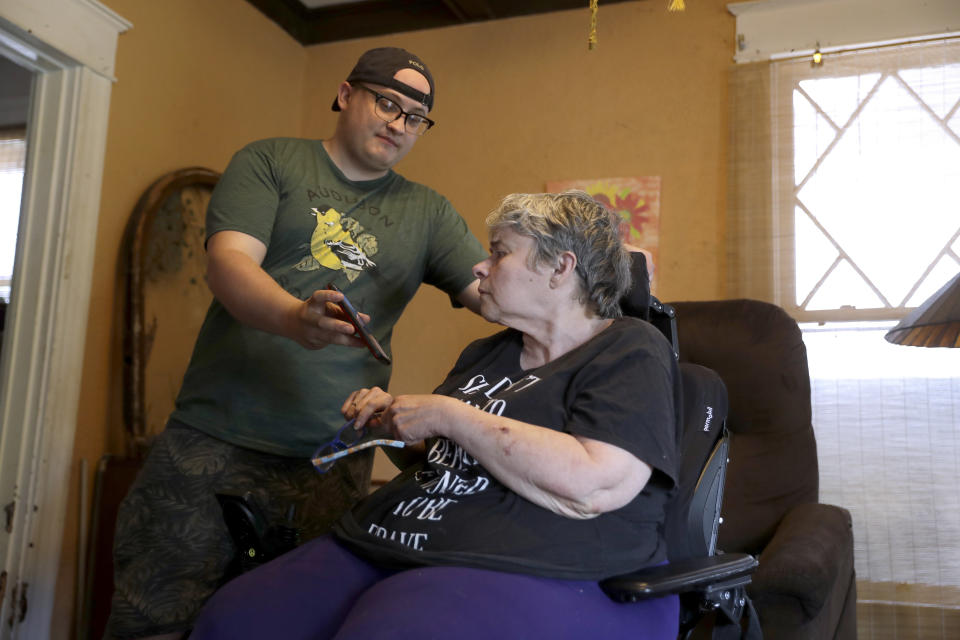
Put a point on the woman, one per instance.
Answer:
(547, 457)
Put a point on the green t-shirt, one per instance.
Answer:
(377, 240)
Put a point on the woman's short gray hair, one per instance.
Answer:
(573, 221)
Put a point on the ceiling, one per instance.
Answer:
(316, 21)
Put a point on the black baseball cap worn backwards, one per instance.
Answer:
(379, 66)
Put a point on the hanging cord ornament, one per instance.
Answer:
(676, 5)
(592, 38)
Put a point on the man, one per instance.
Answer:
(275, 357)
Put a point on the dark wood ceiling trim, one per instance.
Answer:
(470, 10)
(289, 14)
(376, 18)
(383, 17)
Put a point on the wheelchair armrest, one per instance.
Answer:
(706, 574)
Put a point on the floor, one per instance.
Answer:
(891, 611)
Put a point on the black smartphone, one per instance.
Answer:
(365, 335)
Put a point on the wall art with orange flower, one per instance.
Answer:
(635, 200)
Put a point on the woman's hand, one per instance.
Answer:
(409, 418)
(416, 417)
(362, 404)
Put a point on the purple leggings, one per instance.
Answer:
(322, 590)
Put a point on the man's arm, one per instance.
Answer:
(254, 298)
(646, 254)
(470, 297)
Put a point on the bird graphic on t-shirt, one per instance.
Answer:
(333, 247)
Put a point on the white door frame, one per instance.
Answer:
(71, 46)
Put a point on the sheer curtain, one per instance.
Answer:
(887, 420)
(843, 210)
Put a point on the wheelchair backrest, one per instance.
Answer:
(693, 516)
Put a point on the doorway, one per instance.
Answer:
(69, 49)
(15, 85)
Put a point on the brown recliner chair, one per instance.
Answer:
(804, 586)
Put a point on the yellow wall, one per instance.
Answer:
(523, 101)
(519, 102)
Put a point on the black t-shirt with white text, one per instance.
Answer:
(621, 387)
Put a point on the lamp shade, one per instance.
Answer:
(935, 323)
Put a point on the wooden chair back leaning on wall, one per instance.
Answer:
(165, 300)
(165, 279)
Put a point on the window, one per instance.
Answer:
(868, 196)
(843, 210)
(12, 155)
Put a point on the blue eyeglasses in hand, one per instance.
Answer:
(348, 440)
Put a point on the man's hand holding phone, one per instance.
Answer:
(328, 317)
(318, 322)
(358, 322)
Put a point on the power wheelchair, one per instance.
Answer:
(709, 583)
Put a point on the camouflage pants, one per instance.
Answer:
(171, 547)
